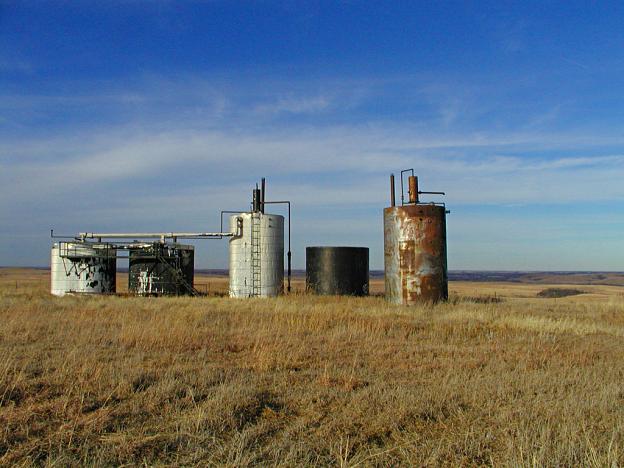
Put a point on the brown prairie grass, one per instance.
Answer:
(304, 380)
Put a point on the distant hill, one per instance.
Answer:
(607, 278)
(541, 277)
(533, 277)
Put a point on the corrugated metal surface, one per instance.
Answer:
(82, 268)
(257, 255)
(337, 270)
(415, 253)
(161, 269)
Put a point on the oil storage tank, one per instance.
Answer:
(256, 255)
(337, 270)
(415, 259)
(161, 269)
(82, 267)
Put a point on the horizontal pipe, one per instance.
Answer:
(433, 193)
(145, 235)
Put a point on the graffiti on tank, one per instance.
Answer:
(90, 274)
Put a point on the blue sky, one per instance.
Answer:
(130, 115)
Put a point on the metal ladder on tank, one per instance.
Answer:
(256, 276)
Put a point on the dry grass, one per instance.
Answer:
(303, 380)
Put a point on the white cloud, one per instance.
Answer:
(365, 155)
(294, 105)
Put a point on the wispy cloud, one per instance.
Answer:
(472, 171)
(15, 65)
(295, 105)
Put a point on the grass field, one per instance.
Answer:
(496, 376)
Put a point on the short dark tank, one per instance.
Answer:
(161, 270)
(337, 270)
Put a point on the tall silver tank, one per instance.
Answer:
(256, 255)
(81, 267)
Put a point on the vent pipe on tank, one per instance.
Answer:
(262, 194)
(412, 189)
(256, 200)
(412, 182)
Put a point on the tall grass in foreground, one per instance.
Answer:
(304, 380)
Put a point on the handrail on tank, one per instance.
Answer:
(118, 247)
(61, 236)
(83, 236)
(402, 191)
(412, 189)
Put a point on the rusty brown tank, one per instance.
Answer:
(415, 260)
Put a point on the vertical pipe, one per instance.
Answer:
(256, 200)
(416, 189)
(289, 254)
(392, 200)
(262, 194)
(413, 189)
(289, 263)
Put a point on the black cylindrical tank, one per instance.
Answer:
(161, 269)
(337, 270)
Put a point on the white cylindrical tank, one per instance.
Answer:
(256, 255)
(78, 267)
